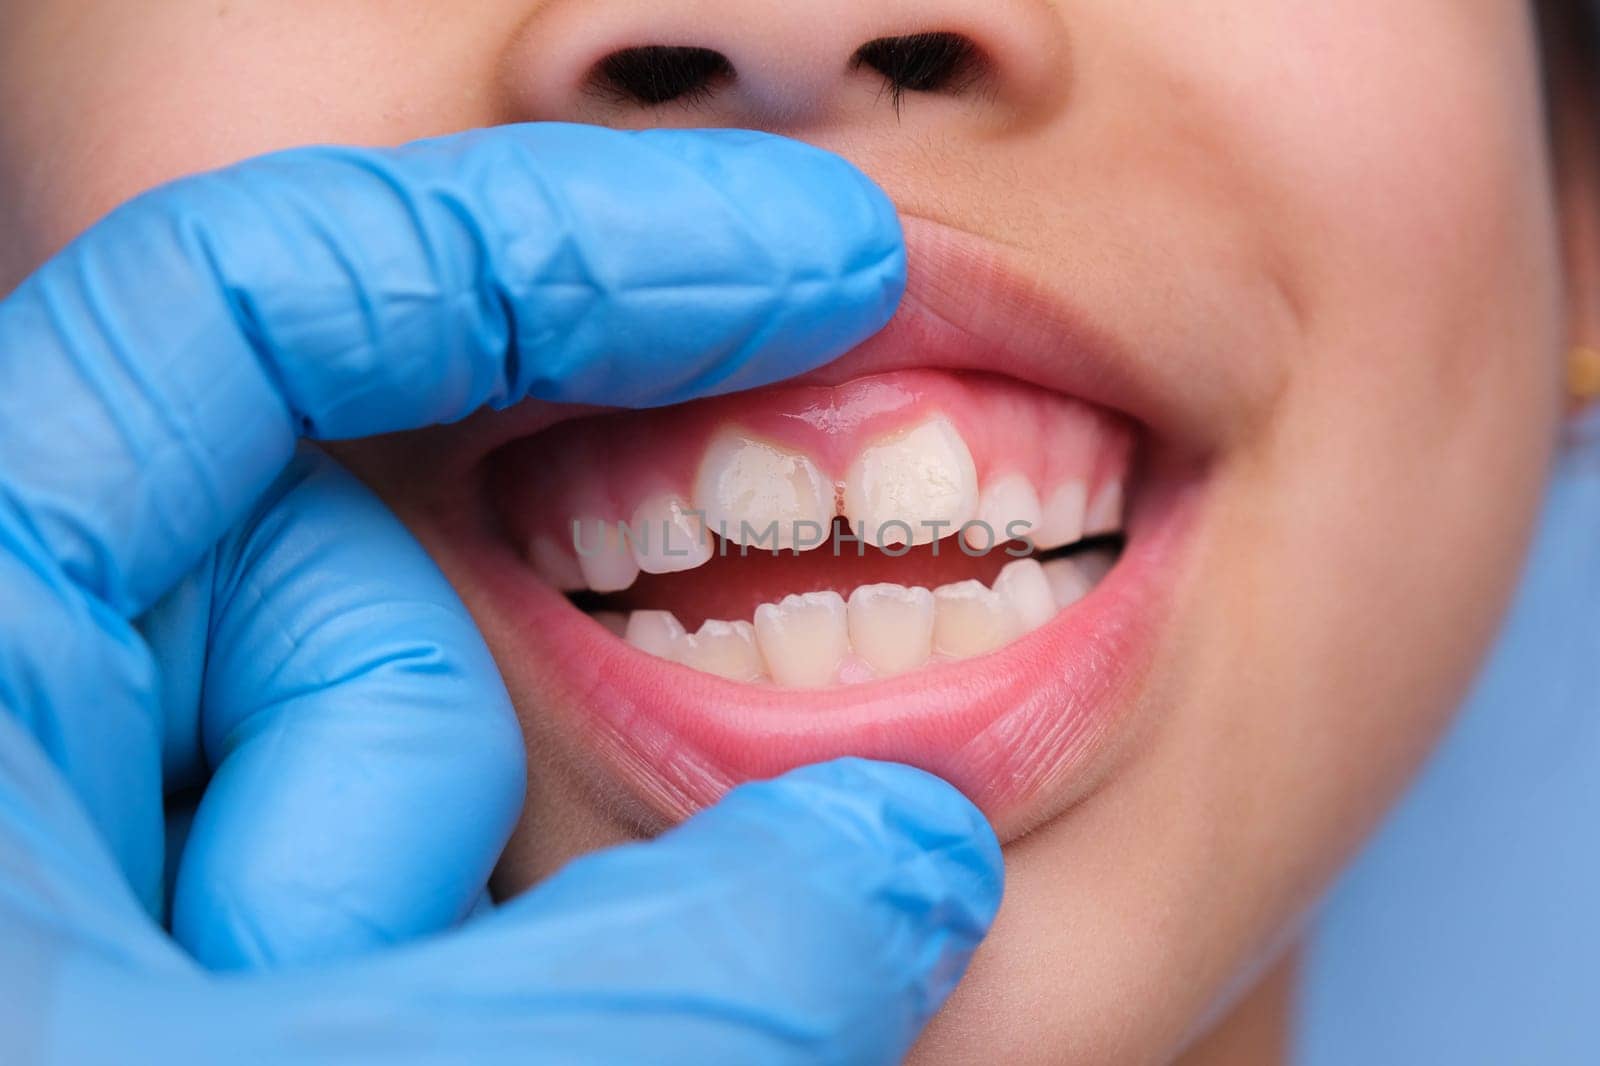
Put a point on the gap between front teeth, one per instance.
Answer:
(818, 639)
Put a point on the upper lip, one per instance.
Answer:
(967, 306)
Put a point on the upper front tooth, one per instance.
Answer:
(726, 649)
(756, 493)
(1105, 512)
(604, 557)
(891, 627)
(1008, 510)
(1024, 585)
(666, 538)
(922, 478)
(1063, 519)
(971, 619)
(803, 638)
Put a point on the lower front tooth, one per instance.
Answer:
(726, 649)
(657, 633)
(1024, 585)
(891, 627)
(971, 619)
(1096, 564)
(803, 638)
(1068, 581)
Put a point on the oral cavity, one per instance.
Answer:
(808, 537)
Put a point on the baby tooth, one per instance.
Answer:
(1068, 582)
(1024, 585)
(558, 568)
(922, 478)
(1105, 513)
(763, 496)
(1064, 513)
(1096, 565)
(656, 633)
(891, 627)
(667, 538)
(604, 557)
(726, 649)
(803, 638)
(615, 621)
(1008, 510)
(971, 619)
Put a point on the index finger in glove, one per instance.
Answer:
(179, 346)
(154, 375)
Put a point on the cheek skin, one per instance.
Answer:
(102, 101)
(1343, 210)
(1363, 538)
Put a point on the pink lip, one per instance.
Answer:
(966, 307)
(1022, 731)
(1003, 728)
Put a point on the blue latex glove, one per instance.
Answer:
(364, 765)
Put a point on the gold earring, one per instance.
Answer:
(1583, 373)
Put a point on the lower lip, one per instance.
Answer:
(1015, 730)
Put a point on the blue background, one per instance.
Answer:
(1469, 930)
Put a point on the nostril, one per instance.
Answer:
(657, 74)
(924, 62)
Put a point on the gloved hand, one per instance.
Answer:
(364, 765)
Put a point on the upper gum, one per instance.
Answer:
(612, 463)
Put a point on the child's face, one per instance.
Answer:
(1322, 238)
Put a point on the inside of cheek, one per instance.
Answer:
(738, 579)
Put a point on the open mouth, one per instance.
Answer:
(825, 535)
(951, 548)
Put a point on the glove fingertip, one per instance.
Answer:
(915, 854)
(904, 816)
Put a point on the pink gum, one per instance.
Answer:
(606, 465)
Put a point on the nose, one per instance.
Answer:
(798, 68)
